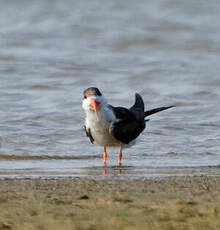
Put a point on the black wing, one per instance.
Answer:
(88, 134)
(131, 121)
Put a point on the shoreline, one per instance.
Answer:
(110, 173)
(176, 202)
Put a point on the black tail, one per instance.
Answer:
(152, 111)
(139, 104)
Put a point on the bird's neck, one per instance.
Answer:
(105, 115)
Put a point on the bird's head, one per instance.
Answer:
(93, 101)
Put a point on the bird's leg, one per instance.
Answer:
(120, 157)
(104, 156)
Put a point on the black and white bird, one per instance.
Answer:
(110, 126)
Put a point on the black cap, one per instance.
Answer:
(92, 91)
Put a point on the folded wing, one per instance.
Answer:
(88, 134)
(130, 122)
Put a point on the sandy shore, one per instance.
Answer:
(166, 203)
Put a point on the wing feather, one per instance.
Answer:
(88, 134)
(127, 127)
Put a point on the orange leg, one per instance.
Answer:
(120, 157)
(104, 156)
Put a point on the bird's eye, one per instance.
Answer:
(85, 97)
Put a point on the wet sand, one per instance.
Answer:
(184, 202)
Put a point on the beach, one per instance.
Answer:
(177, 202)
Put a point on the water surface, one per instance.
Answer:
(168, 51)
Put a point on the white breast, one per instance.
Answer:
(100, 128)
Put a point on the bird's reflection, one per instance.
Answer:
(109, 170)
(105, 171)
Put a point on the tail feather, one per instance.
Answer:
(152, 111)
(138, 102)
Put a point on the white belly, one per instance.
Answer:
(100, 129)
(104, 138)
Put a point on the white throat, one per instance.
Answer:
(100, 127)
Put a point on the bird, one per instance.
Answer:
(110, 126)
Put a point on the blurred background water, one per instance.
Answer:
(50, 51)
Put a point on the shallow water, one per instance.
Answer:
(168, 51)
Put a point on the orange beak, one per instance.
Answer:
(94, 105)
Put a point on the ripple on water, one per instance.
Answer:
(51, 52)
